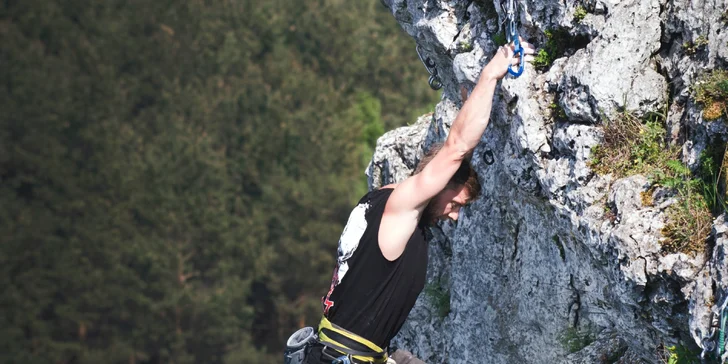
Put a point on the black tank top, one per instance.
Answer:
(369, 295)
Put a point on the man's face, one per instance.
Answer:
(447, 204)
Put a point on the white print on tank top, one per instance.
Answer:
(348, 242)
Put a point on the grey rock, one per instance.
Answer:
(614, 71)
(397, 153)
(551, 248)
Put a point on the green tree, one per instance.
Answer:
(174, 175)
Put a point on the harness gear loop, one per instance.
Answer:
(434, 81)
(512, 36)
(350, 345)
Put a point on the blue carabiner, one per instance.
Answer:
(517, 51)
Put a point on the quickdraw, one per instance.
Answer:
(434, 81)
(512, 36)
(716, 341)
(722, 322)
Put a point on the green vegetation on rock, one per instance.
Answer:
(679, 355)
(692, 47)
(633, 146)
(500, 39)
(558, 41)
(439, 297)
(579, 14)
(711, 91)
(573, 339)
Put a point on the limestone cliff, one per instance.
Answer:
(535, 271)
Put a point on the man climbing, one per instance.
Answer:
(382, 254)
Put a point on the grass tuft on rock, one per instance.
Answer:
(692, 47)
(678, 354)
(638, 146)
(579, 14)
(689, 220)
(633, 146)
(711, 91)
(558, 43)
(500, 39)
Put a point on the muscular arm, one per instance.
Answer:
(409, 199)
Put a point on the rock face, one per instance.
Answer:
(535, 270)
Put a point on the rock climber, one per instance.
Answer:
(382, 253)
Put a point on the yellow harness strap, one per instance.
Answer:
(380, 354)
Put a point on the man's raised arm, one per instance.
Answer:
(409, 199)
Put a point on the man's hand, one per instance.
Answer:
(504, 57)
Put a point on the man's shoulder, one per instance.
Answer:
(377, 194)
(374, 201)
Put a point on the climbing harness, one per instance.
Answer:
(434, 81)
(715, 342)
(350, 347)
(339, 345)
(512, 36)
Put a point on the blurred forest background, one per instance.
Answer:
(174, 175)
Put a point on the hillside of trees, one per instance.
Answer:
(174, 175)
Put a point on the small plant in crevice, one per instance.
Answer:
(711, 91)
(439, 297)
(692, 47)
(464, 47)
(609, 213)
(678, 354)
(558, 42)
(500, 39)
(724, 16)
(713, 163)
(572, 339)
(542, 60)
(557, 112)
(579, 14)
